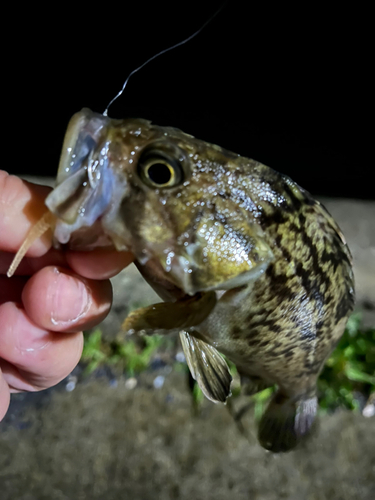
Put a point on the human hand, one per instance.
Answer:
(52, 297)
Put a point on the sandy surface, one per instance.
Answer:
(109, 442)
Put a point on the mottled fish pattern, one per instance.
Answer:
(248, 263)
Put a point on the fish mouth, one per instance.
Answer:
(82, 211)
(88, 192)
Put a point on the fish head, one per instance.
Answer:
(161, 194)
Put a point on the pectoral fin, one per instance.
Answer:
(207, 367)
(168, 316)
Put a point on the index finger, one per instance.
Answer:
(21, 206)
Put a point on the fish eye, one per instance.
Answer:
(158, 170)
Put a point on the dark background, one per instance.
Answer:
(289, 88)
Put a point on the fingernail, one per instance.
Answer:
(69, 297)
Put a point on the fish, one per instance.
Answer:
(249, 266)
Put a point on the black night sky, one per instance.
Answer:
(287, 88)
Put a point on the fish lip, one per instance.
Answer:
(88, 190)
(82, 136)
(87, 209)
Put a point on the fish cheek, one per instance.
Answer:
(147, 223)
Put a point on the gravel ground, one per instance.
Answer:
(109, 440)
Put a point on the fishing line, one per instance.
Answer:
(105, 113)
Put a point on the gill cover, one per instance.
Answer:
(220, 256)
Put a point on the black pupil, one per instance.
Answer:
(159, 173)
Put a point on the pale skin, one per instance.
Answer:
(52, 297)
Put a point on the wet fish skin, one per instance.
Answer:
(200, 219)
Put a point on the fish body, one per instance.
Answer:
(248, 263)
